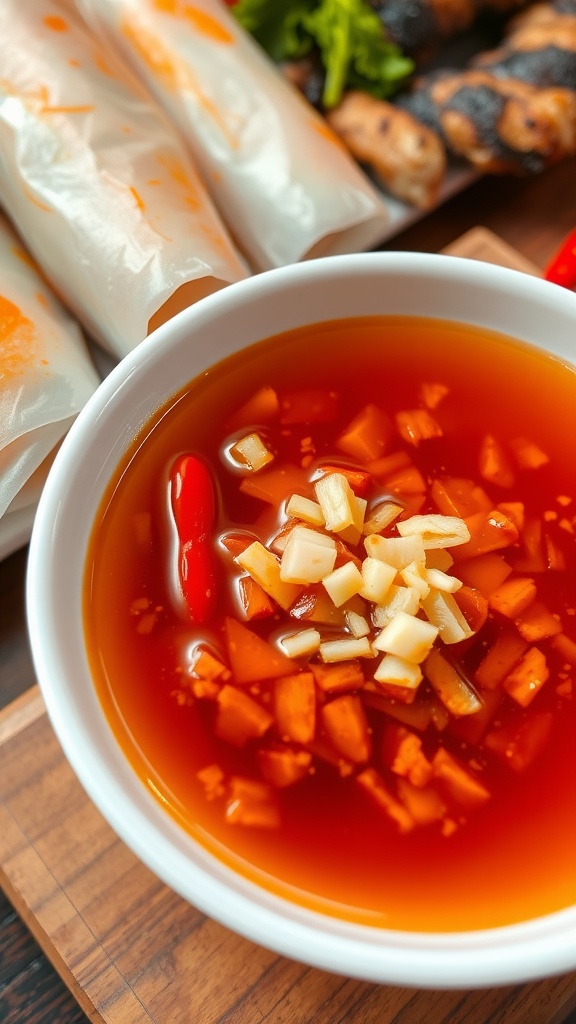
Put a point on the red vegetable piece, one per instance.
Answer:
(562, 267)
(194, 509)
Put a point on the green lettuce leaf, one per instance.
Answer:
(347, 34)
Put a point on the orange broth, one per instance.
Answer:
(334, 850)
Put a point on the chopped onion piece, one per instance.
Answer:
(396, 551)
(343, 583)
(398, 599)
(441, 581)
(377, 579)
(395, 671)
(263, 567)
(407, 637)
(346, 649)
(381, 516)
(450, 687)
(250, 451)
(443, 612)
(357, 624)
(307, 641)
(436, 531)
(413, 576)
(336, 501)
(305, 509)
(308, 556)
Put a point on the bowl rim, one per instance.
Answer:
(497, 956)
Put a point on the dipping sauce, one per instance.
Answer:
(330, 610)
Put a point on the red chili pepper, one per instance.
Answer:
(562, 268)
(194, 508)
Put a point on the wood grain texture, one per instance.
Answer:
(131, 951)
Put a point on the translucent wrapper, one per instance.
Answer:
(46, 375)
(98, 182)
(284, 184)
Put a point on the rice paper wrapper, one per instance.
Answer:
(98, 182)
(46, 375)
(281, 179)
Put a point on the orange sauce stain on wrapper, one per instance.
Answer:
(18, 341)
(173, 72)
(202, 22)
(55, 23)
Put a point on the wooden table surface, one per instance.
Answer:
(533, 216)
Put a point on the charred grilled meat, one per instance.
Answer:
(417, 25)
(513, 109)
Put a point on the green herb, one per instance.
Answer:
(347, 34)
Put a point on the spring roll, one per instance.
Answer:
(98, 183)
(46, 374)
(282, 180)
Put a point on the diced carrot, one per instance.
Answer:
(344, 554)
(526, 680)
(360, 481)
(346, 726)
(513, 596)
(472, 728)
(473, 605)
(402, 753)
(413, 503)
(294, 700)
(432, 394)
(315, 605)
(515, 511)
(252, 658)
(494, 464)
(537, 623)
(418, 714)
(416, 425)
(339, 678)
(322, 750)
(520, 743)
(208, 666)
(310, 405)
(457, 496)
(425, 805)
(367, 436)
(252, 804)
(554, 554)
(528, 454)
(405, 694)
(284, 767)
(275, 485)
(500, 659)
(236, 543)
(485, 572)
(532, 558)
(212, 780)
(388, 464)
(372, 783)
(239, 718)
(254, 601)
(489, 531)
(565, 647)
(458, 781)
(407, 481)
(205, 689)
(455, 692)
(260, 408)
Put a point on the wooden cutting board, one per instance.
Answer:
(132, 952)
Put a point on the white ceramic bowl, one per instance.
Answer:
(392, 283)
